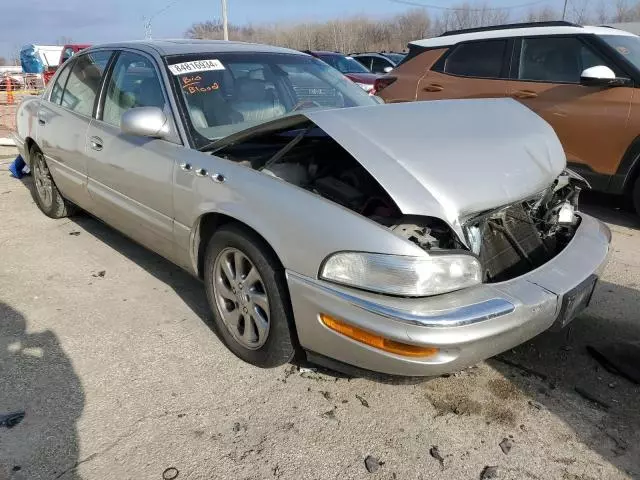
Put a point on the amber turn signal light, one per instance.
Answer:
(376, 341)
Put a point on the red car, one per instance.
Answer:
(349, 67)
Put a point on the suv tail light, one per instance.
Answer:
(382, 83)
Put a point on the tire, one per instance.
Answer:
(45, 193)
(635, 195)
(237, 297)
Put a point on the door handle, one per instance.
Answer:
(186, 167)
(96, 143)
(41, 121)
(433, 87)
(524, 94)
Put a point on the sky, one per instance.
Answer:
(45, 21)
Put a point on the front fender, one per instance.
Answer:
(301, 227)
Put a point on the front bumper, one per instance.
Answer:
(467, 326)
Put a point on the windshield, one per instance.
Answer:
(343, 64)
(224, 93)
(626, 45)
(395, 57)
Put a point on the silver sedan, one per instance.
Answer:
(411, 239)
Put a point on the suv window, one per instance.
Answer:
(477, 59)
(84, 82)
(58, 86)
(379, 64)
(133, 83)
(556, 59)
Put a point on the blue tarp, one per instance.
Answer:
(30, 60)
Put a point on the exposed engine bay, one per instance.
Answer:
(509, 241)
(518, 238)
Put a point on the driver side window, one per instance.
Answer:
(557, 59)
(133, 83)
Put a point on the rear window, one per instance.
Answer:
(478, 59)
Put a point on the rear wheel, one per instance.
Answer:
(248, 296)
(635, 195)
(45, 192)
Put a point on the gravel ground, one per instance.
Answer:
(121, 376)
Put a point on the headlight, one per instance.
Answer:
(365, 86)
(401, 275)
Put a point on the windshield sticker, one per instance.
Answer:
(196, 66)
(623, 50)
(191, 85)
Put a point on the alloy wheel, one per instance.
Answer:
(43, 181)
(241, 298)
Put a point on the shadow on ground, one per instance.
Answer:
(613, 209)
(556, 370)
(37, 378)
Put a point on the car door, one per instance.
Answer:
(131, 177)
(478, 69)
(592, 122)
(63, 121)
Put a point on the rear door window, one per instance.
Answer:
(58, 86)
(84, 82)
(477, 59)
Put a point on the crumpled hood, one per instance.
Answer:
(449, 158)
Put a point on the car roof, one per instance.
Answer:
(185, 46)
(325, 52)
(452, 38)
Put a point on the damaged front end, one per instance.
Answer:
(521, 237)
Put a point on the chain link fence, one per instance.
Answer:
(13, 88)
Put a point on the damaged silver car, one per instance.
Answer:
(410, 239)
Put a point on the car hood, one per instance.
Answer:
(450, 158)
(367, 78)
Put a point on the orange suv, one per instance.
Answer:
(582, 80)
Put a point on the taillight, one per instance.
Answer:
(382, 83)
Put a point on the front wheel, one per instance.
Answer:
(45, 192)
(248, 296)
(635, 195)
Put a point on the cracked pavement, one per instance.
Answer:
(121, 376)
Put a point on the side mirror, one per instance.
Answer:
(145, 122)
(602, 76)
(387, 69)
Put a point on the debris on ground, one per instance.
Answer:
(75, 233)
(434, 451)
(303, 370)
(16, 468)
(100, 274)
(10, 420)
(489, 472)
(331, 414)
(619, 358)
(363, 401)
(535, 405)
(506, 445)
(591, 397)
(372, 464)
(327, 395)
(170, 473)
(239, 426)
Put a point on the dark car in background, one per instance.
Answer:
(346, 65)
(381, 62)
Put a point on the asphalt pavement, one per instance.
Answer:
(109, 351)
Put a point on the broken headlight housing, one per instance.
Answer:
(403, 275)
